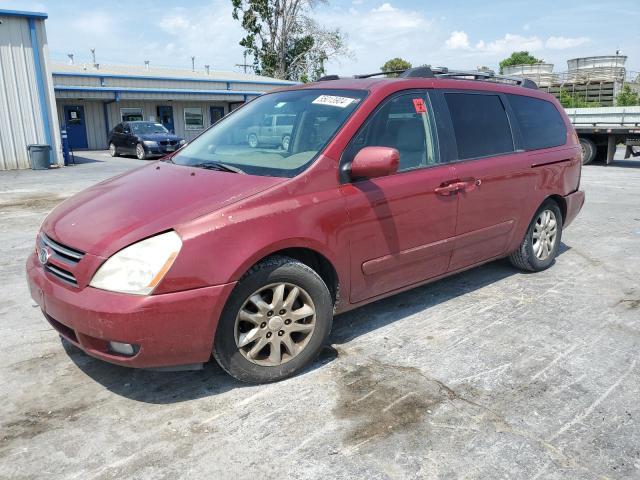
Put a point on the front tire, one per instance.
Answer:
(113, 151)
(285, 142)
(542, 240)
(275, 322)
(140, 153)
(253, 140)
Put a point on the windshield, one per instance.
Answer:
(147, 127)
(277, 134)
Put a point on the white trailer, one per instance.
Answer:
(601, 129)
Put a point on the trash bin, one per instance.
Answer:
(39, 156)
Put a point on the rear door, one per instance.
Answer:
(494, 175)
(401, 227)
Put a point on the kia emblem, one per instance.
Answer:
(43, 255)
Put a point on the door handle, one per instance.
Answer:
(450, 188)
(455, 187)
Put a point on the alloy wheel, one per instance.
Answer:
(275, 324)
(544, 234)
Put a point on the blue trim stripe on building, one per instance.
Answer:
(42, 97)
(154, 90)
(173, 79)
(22, 13)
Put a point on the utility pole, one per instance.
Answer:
(244, 64)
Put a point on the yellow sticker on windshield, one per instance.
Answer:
(334, 101)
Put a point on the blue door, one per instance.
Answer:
(75, 124)
(165, 117)
(216, 113)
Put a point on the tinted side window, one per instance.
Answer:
(480, 124)
(118, 128)
(540, 122)
(403, 123)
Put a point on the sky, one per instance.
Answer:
(457, 34)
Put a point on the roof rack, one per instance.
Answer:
(443, 72)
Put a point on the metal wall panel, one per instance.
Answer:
(21, 117)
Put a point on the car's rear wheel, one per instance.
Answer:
(275, 322)
(113, 151)
(140, 153)
(253, 140)
(542, 240)
(285, 142)
(589, 150)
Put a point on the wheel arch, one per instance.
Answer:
(311, 256)
(562, 204)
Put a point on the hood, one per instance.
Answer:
(157, 137)
(122, 210)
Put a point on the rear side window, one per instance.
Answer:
(540, 122)
(480, 124)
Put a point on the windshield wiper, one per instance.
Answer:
(223, 167)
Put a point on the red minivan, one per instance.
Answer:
(246, 252)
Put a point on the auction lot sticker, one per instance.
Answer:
(334, 101)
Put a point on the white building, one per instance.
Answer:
(92, 99)
(27, 103)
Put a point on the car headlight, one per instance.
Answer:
(138, 268)
(150, 143)
(182, 142)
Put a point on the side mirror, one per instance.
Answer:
(372, 162)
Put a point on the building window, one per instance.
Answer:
(131, 114)
(193, 118)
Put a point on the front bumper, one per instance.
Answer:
(170, 329)
(574, 202)
(161, 150)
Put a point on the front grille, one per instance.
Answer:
(168, 142)
(62, 274)
(65, 255)
(68, 254)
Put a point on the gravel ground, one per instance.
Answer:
(488, 374)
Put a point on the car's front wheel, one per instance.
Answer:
(285, 142)
(253, 140)
(275, 322)
(140, 153)
(542, 240)
(113, 151)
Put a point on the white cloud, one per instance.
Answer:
(385, 7)
(94, 23)
(376, 35)
(563, 43)
(458, 41)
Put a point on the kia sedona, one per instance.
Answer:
(143, 139)
(246, 254)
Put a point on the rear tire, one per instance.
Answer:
(253, 141)
(589, 150)
(296, 321)
(542, 240)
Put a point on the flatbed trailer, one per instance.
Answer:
(602, 129)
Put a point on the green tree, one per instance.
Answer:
(519, 58)
(573, 100)
(395, 64)
(284, 40)
(627, 97)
